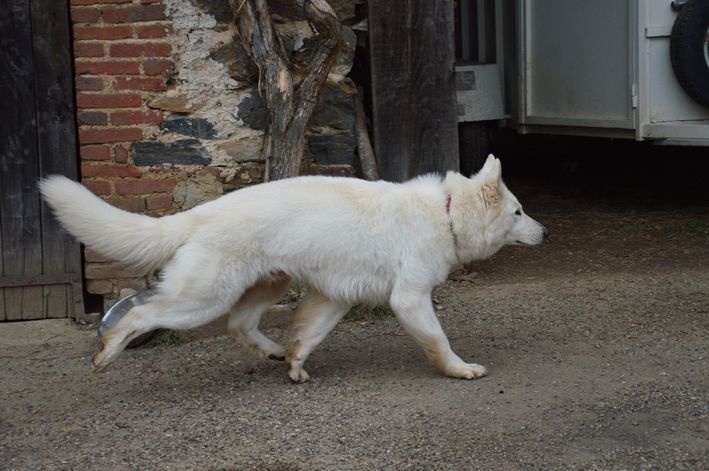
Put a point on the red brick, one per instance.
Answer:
(85, 15)
(93, 256)
(159, 202)
(99, 286)
(137, 284)
(89, 84)
(86, 49)
(149, 84)
(157, 67)
(153, 31)
(99, 136)
(104, 271)
(120, 154)
(92, 118)
(109, 171)
(100, 100)
(141, 50)
(133, 13)
(102, 32)
(122, 118)
(107, 67)
(98, 187)
(94, 153)
(129, 204)
(140, 187)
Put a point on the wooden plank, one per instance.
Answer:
(6, 38)
(44, 279)
(19, 197)
(413, 87)
(2, 291)
(56, 141)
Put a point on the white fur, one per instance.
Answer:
(349, 240)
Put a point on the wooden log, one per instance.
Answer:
(290, 99)
(367, 159)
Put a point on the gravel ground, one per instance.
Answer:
(596, 343)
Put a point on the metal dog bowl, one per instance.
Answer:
(121, 307)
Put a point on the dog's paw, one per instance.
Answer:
(298, 375)
(467, 371)
(98, 362)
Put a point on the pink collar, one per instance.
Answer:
(450, 226)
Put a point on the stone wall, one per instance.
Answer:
(169, 114)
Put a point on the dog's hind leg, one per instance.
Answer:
(415, 313)
(158, 313)
(313, 320)
(187, 297)
(246, 314)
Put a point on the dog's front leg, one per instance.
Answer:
(314, 319)
(415, 312)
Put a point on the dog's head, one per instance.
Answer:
(503, 218)
(485, 215)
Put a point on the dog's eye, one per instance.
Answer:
(518, 213)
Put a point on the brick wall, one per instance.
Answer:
(169, 114)
(122, 51)
(122, 54)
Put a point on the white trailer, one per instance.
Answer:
(588, 68)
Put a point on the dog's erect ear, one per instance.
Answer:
(492, 170)
(490, 177)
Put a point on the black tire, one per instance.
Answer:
(688, 50)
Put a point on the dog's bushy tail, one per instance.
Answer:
(135, 239)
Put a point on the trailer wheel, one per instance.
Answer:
(689, 50)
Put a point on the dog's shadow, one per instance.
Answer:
(220, 366)
(351, 353)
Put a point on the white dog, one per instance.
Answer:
(350, 241)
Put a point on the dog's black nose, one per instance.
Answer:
(545, 233)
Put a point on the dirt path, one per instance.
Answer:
(597, 346)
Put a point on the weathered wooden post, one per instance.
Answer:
(290, 95)
(413, 87)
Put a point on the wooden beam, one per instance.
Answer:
(413, 87)
(34, 280)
